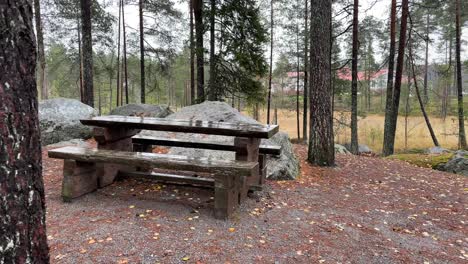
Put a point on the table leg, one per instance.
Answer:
(113, 139)
(247, 149)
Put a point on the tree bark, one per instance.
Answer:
(86, 6)
(142, 55)
(118, 57)
(426, 61)
(306, 71)
(214, 94)
(80, 58)
(298, 71)
(461, 120)
(418, 94)
(392, 118)
(22, 201)
(40, 51)
(192, 56)
(125, 51)
(199, 30)
(272, 24)
(321, 139)
(354, 83)
(391, 65)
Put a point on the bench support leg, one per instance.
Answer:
(247, 149)
(227, 195)
(143, 148)
(79, 178)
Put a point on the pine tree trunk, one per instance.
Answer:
(298, 71)
(426, 61)
(192, 56)
(391, 112)
(354, 83)
(125, 51)
(40, 51)
(461, 120)
(321, 139)
(418, 94)
(199, 30)
(117, 103)
(142, 55)
(306, 69)
(272, 24)
(22, 203)
(80, 59)
(86, 6)
(214, 94)
(389, 97)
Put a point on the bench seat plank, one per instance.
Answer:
(163, 161)
(171, 142)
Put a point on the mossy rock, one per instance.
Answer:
(424, 160)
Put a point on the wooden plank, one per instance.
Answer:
(184, 126)
(163, 161)
(172, 142)
(171, 178)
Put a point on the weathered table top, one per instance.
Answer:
(184, 126)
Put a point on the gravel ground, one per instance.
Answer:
(365, 210)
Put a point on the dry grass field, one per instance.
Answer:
(371, 130)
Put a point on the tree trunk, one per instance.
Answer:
(80, 58)
(199, 30)
(118, 57)
(321, 139)
(214, 94)
(142, 55)
(354, 83)
(461, 121)
(418, 94)
(306, 69)
(40, 51)
(192, 56)
(298, 70)
(272, 24)
(125, 51)
(22, 204)
(390, 128)
(389, 97)
(86, 6)
(426, 61)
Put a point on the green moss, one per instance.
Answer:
(423, 160)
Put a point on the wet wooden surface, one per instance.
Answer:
(162, 161)
(184, 126)
(171, 142)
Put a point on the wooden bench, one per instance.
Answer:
(145, 143)
(83, 169)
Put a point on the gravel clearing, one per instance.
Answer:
(365, 210)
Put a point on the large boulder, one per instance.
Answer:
(362, 149)
(59, 120)
(142, 110)
(457, 165)
(340, 149)
(437, 150)
(284, 167)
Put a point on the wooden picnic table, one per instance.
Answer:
(116, 132)
(120, 153)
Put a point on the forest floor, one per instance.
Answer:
(365, 210)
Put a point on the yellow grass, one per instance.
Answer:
(371, 130)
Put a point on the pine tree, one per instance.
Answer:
(321, 138)
(22, 200)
